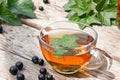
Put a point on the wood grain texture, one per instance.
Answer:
(20, 43)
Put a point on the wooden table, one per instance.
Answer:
(20, 44)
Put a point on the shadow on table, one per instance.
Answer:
(102, 73)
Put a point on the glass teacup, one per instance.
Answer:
(68, 49)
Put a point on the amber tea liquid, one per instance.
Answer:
(71, 61)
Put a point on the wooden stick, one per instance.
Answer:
(33, 25)
(36, 26)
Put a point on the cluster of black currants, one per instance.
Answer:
(14, 70)
(41, 8)
(37, 60)
(46, 1)
(44, 75)
(1, 29)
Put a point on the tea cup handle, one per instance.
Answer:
(97, 59)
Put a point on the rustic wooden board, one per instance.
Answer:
(20, 44)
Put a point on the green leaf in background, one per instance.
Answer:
(23, 7)
(69, 4)
(7, 16)
(72, 15)
(110, 8)
(90, 19)
(2, 1)
(103, 12)
(11, 10)
(109, 12)
(114, 2)
(96, 1)
(78, 6)
(83, 6)
(60, 44)
(101, 5)
(105, 17)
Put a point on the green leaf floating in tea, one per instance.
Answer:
(64, 44)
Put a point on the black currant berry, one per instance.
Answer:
(46, 1)
(20, 76)
(13, 70)
(1, 29)
(41, 62)
(41, 8)
(43, 71)
(35, 59)
(19, 65)
(50, 77)
(41, 77)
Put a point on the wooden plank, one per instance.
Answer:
(9, 57)
(20, 44)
